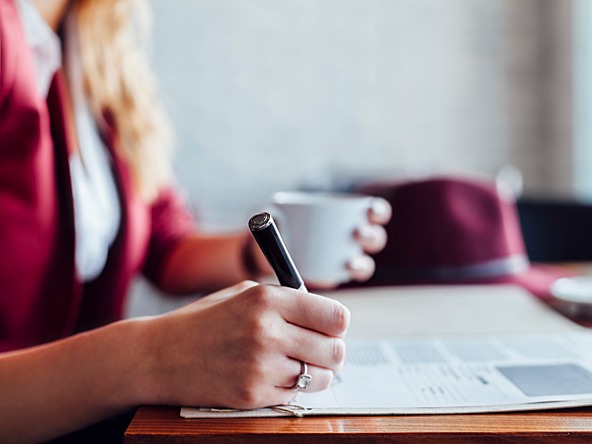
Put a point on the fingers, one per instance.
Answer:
(293, 327)
(314, 312)
(380, 211)
(312, 331)
(321, 378)
(372, 238)
(361, 268)
(316, 349)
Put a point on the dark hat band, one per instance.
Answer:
(506, 266)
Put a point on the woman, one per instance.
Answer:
(85, 205)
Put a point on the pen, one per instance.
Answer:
(268, 238)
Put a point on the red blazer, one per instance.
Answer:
(41, 298)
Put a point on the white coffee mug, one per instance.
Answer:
(318, 230)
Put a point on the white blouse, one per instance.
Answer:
(97, 212)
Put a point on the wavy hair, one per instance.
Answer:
(118, 80)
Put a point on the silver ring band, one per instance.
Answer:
(304, 379)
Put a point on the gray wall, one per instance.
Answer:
(270, 94)
(278, 94)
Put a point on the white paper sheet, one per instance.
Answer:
(460, 371)
(450, 350)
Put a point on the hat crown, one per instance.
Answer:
(450, 222)
(456, 230)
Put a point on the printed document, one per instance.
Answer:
(450, 349)
(467, 371)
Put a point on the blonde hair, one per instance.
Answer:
(118, 81)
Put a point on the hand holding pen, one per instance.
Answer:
(272, 245)
(270, 242)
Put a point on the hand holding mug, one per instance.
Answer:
(329, 235)
(372, 238)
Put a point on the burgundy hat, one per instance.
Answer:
(456, 230)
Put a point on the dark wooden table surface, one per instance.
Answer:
(164, 425)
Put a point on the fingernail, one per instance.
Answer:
(357, 264)
(365, 233)
(381, 209)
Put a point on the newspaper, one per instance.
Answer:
(449, 350)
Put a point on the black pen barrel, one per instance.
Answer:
(268, 238)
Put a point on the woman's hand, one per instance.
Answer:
(241, 347)
(372, 237)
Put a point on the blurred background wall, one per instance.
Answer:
(268, 95)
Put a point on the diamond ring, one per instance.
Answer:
(304, 379)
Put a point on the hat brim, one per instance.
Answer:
(537, 279)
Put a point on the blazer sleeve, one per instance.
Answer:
(171, 221)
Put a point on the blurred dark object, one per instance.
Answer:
(458, 230)
(556, 230)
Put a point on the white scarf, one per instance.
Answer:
(97, 212)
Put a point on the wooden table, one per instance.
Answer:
(164, 425)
